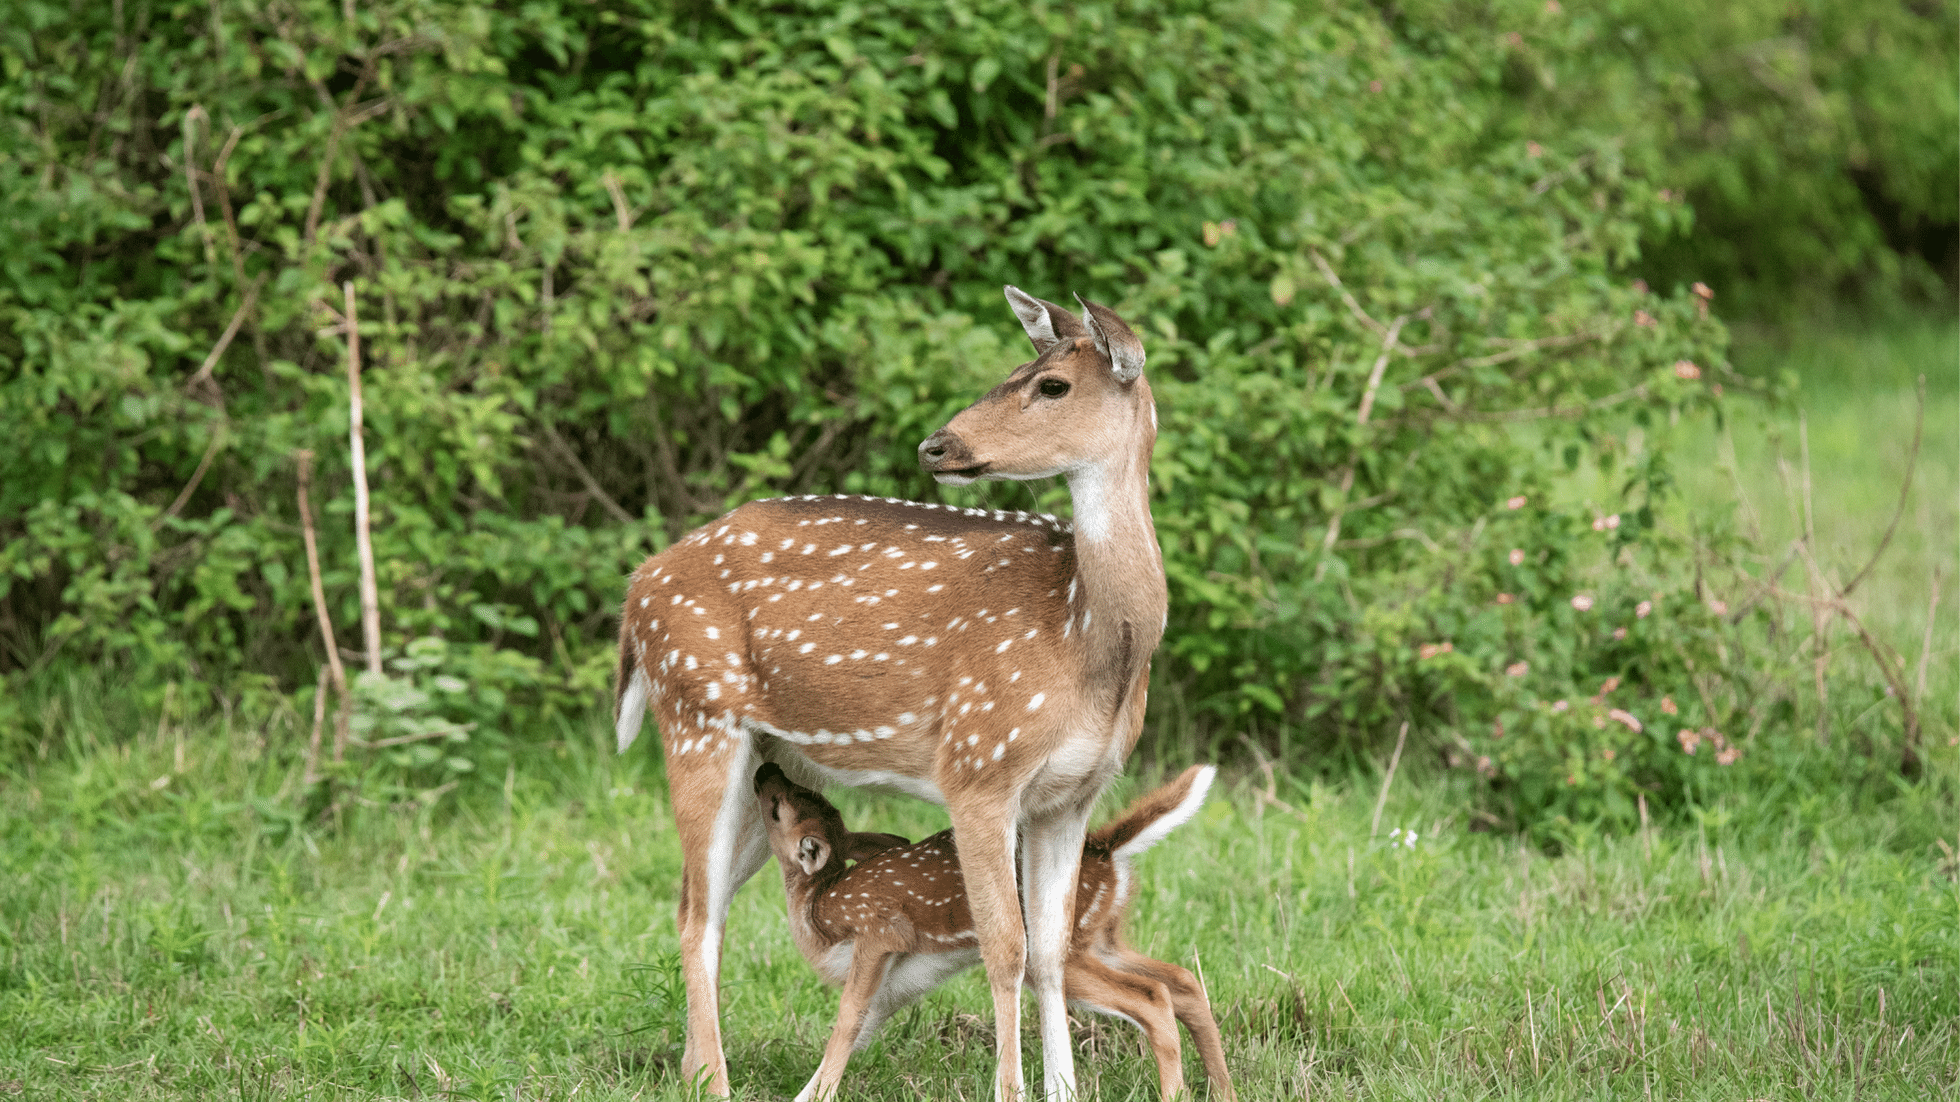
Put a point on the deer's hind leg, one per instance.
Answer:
(722, 844)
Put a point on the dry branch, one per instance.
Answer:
(334, 668)
(591, 484)
(363, 545)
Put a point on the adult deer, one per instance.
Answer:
(992, 662)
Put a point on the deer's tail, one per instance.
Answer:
(630, 691)
(1152, 817)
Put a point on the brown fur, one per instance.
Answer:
(906, 900)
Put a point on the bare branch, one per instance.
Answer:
(1905, 489)
(363, 544)
(1514, 415)
(591, 484)
(334, 668)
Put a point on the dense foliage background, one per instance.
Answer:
(620, 266)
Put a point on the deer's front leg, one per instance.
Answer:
(722, 845)
(1051, 856)
(867, 975)
(983, 832)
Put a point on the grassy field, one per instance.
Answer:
(171, 927)
(168, 930)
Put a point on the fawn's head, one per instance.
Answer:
(1080, 402)
(805, 830)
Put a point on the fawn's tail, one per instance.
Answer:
(630, 691)
(1151, 818)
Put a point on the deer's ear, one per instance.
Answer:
(1046, 323)
(812, 853)
(1113, 339)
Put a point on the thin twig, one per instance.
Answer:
(1333, 535)
(1381, 364)
(334, 668)
(197, 476)
(191, 119)
(1388, 778)
(202, 376)
(592, 486)
(363, 544)
(1334, 280)
(622, 214)
(1905, 489)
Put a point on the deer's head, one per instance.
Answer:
(1080, 403)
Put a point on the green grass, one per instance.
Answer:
(168, 930)
(171, 926)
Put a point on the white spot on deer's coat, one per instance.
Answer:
(1035, 701)
(833, 660)
(714, 633)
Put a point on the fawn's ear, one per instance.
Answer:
(812, 853)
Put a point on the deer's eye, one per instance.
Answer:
(1053, 388)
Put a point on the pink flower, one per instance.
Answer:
(1505, 598)
(1686, 369)
(1611, 684)
(1612, 522)
(1514, 39)
(1727, 757)
(1431, 650)
(1640, 286)
(1702, 289)
(1718, 606)
(1582, 602)
(1559, 706)
(1515, 503)
(1484, 766)
(1668, 706)
(1667, 195)
(1534, 149)
(1374, 86)
(1641, 610)
(1599, 524)
(1517, 556)
(1608, 754)
(1644, 319)
(1517, 669)
(1625, 717)
(1619, 634)
(1689, 740)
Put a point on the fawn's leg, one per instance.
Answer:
(1192, 1008)
(722, 845)
(1051, 854)
(984, 837)
(867, 975)
(1146, 1002)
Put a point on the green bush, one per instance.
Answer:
(619, 266)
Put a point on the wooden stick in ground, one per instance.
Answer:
(363, 546)
(333, 669)
(1388, 778)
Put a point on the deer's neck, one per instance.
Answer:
(803, 891)
(1118, 597)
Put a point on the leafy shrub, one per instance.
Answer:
(619, 266)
